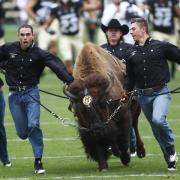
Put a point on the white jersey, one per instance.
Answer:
(22, 13)
(124, 12)
(43, 8)
(106, 3)
(120, 13)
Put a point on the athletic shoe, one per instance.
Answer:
(39, 167)
(173, 159)
(133, 152)
(7, 164)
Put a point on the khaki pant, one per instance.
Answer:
(2, 41)
(42, 36)
(66, 42)
(171, 38)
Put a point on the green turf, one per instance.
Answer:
(64, 156)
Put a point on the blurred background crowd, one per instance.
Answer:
(63, 26)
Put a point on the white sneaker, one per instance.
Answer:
(38, 166)
(173, 159)
(133, 154)
(8, 164)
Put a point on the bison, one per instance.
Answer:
(96, 100)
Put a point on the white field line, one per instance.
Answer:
(70, 139)
(168, 175)
(113, 176)
(70, 157)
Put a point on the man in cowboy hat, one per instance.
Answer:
(115, 45)
(114, 32)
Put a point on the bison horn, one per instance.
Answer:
(67, 93)
(111, 82)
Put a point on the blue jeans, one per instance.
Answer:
(26, 115)
(3, 141)
(132, 139)
(155, 109)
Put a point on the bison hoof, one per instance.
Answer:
(141, 153)
(125, 161)
(103, 168)
(125, 158)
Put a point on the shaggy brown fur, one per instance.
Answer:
(95, 60)
(99, 74)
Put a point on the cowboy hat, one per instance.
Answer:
(114, 23)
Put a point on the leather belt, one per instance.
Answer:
(19, 88)
(158, 87)
(150, 91)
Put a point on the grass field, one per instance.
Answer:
(64, 157)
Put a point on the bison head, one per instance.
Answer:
(89, 100)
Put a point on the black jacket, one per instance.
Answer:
(118, 50)
(147, 65)
(24, 67)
